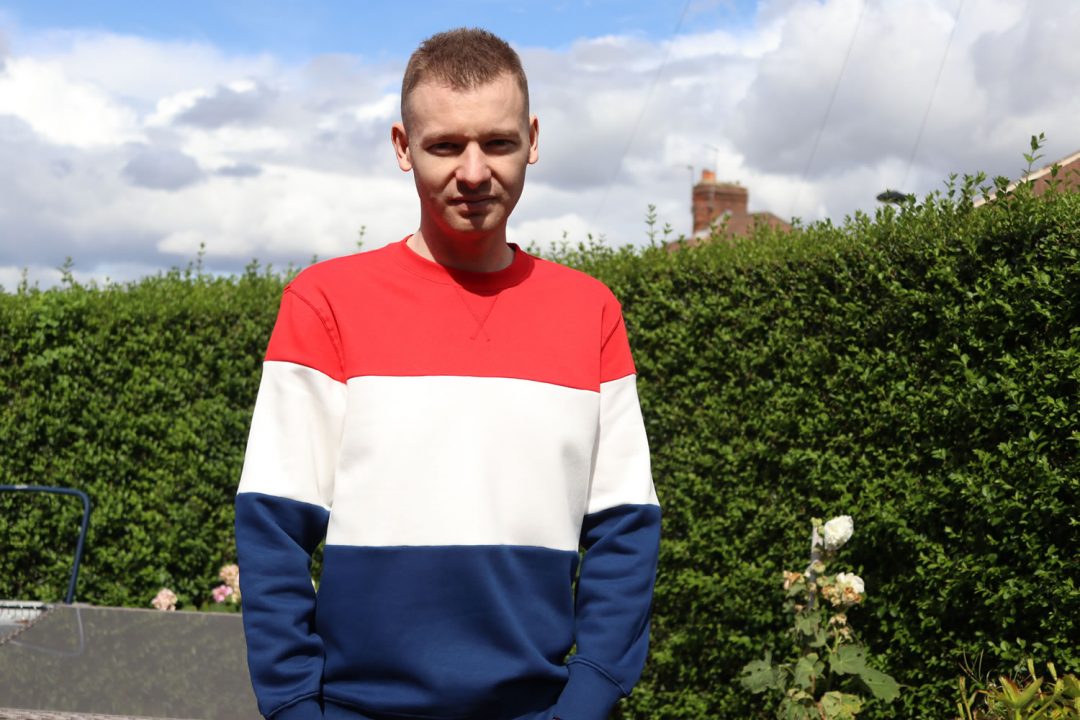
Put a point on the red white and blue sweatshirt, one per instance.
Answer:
(457, 438)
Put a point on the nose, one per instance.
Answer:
(473, 169)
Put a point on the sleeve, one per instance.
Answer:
(283, 507)
(621, 537)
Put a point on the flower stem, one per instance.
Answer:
(811, 573)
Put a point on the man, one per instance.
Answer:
(457, 419)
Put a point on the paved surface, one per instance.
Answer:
(10, 714)
(79, 661)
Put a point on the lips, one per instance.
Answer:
(472, 200)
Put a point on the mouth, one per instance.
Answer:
(477, 200)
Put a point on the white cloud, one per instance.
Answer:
(142, 70)
(218, 146)
(169, 107)
(885, 91)
(284, 213)
(10, 278)
(62, 110)
(128, 153)
(548, 232)
(385, 109)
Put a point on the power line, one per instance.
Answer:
(829, 107)
(930, 103)
(641, 114)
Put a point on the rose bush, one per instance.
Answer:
(817, 684)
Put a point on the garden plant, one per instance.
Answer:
(812, 686)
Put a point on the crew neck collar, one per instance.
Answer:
(512, 274)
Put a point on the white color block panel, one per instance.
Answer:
(622, 475)
(463, 461)
(295, 434)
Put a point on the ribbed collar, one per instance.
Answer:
(518, 269)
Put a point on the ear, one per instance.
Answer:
(534, 139)
(400, 139)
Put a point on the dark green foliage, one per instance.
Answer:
(919, 370)
(139, 395)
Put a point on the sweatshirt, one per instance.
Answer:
(471, 449)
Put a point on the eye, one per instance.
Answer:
(501, 145)
(443, 148)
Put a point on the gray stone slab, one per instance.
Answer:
(84, 661)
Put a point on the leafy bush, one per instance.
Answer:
(918, 369)
(1030, 698)
(829, 676)
(141, 396)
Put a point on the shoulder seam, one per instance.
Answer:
(328, 327)
(614, 327)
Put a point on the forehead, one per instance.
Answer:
(436, 108)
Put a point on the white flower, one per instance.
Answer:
(164, 600)
(851, 588)
(230, 575)
(837, 531)
(852, 581)
(843, 590)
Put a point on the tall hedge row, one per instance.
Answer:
(139, 395)
(918, 370)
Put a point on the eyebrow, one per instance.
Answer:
(447, 135)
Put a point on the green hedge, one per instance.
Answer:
(139, 395)
(918, 370)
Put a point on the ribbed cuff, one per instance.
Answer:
(307, 709)
(588, 695)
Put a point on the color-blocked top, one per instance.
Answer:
(488, 420)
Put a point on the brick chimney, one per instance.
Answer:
(712, 200)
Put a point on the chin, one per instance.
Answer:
(480, 228)
(471, 234)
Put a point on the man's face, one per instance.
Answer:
(468, 150)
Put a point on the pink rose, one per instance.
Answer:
(230, 575)
(221, 593)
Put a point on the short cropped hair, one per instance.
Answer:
(462, 59)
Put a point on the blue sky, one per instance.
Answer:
(132, 134)
(294, 29)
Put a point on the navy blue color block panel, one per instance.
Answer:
(338, 712)
(462, 631)
(306, 709)
(615, 591)
(274, 541)
(589, 694)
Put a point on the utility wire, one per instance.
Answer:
(641, 114)
(829, 107)
(930, 103)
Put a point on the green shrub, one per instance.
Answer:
(919, 371)
(139, 395)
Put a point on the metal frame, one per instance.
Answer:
(70, 597)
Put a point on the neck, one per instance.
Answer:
(485, 254)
